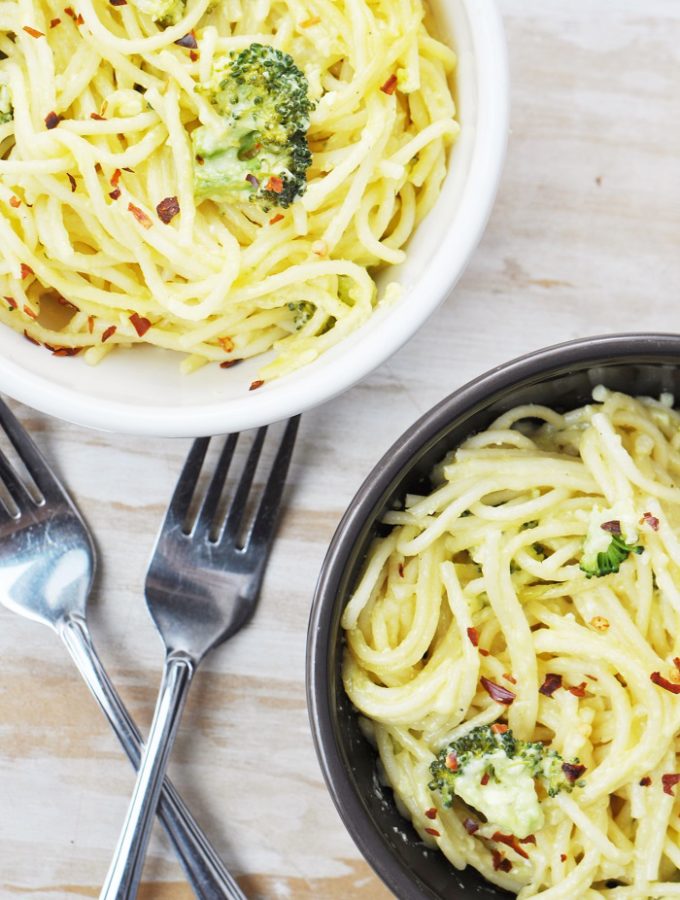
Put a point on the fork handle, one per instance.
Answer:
(202, 866)
(125, 871)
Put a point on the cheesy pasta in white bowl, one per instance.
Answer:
(493, 658)
(214, 215)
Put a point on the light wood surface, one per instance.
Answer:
(584, 239)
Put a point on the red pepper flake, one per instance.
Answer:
(188, 41)
(54, 23)
(578, 690)
(312, 20)
(599, 623)
(510, 840)
(128, 169)
(275, 185)
(97, 117)
(592, 677)
(433, 831)
(573, 771)
(256, 384)
(79, 19)
(473, 634)
(118, 2)
(669, 782)
(66, 351)
(52, 120)
(277, 218)
(226, 343)
(563, 857)
(484, 780)
(667, 685)
(509, 677)
(400, 569)
(167, 209)
(90, 324)
(499, 728)
(26, 271)
(390, 85)
(72, 182)
(115, 194)
(33, 32)
(500, 862)
(431, 813)
(649, 519)
(115, 178)
(14, 202)
(140, 215)
(497, 692)
(32, 314)
(646, 781)
(470, 825)
(613, 527)
(483, 652)
(12, 302)
(228, 363)
(451, 762)
(31, 339)
(62, 301)
(552, 682)
(69, 11)
(529, 839)
(141, 325)
(193, 55)
(110, 331)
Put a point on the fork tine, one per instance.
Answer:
(186, 484)
(238, 503)
(47, 483)
(15, 487)
(211, 501)
(264, 524)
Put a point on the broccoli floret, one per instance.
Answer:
(496, 773)
(609, 560)
(612, 535)
(303, 313)
(6, 110)
(164, 12)
(261, 151)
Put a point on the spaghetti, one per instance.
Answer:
(103, 243)
(482, 607)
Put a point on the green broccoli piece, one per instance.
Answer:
(163, 12)
(6, 109)
(495, 773)
(607, 561)
(261, 151)
(303, 313)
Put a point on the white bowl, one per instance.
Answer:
(143, 392)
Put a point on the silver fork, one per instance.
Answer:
(202, 587)
(47, 562)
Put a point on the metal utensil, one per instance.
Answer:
(202, 587)
(47, 562)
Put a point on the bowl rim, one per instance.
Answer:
(655, 348)
(283, 398)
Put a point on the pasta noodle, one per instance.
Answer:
(486, 583)
(99, 147)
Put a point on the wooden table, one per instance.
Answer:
(584, 239)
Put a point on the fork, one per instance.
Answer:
(47, 562)
(202, 587)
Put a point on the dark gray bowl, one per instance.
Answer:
(561, 377)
